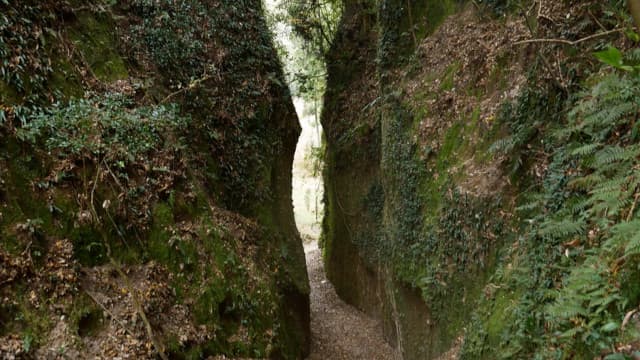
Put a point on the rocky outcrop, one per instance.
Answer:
(437, 120)
(145, 183)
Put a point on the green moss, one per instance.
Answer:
(23, 205)
(451, 144)
(449, 77)
(94, 36)
(425, 16)
(88, 244)
(329, 218)
(500, 316)
(160, 235)
(433, 13)
(497, 81)
(188, 208)
(64, 78)
(33, 323)
(85, 316)
(207, 307)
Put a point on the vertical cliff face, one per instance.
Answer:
(372, 178)
(145, 183)
(439, 120)
(353, 150)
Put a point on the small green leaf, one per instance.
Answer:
(611, 56)
(632, 35)
(610, 327)
(27, 341)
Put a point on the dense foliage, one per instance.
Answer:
(105, 128)
(575, 286)
(185, 42)
(313, 25)
(316, 22)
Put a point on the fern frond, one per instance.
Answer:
(612, 154)
(584, 150)
(633, 247)
(633, 55)
(567, 311)
(504, 145)
(625, 229)
(604, 194)
(572, 332)
(618, 183)
(567, 131)
(529, 206)
(562, 228)
(608, 116)
(610, 87)
(578, 205)
(586, 182)
(610, 200)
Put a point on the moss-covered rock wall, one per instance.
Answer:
(145, 183)
(439, 118)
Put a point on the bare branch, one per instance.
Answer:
(569, 42)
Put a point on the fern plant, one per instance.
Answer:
(526, 119)
(598, 225)
(579, 254)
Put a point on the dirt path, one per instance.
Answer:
(339, 331)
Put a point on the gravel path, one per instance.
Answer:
(339, 331)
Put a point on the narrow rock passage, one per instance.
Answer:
(339, 331)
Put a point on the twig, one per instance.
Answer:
(191, 86)
(140, 311)
(568, 42)
(156, 343)
(115, 178)
(627, 317)
(27, 252)
(93, 191)
(562, 81)
(597, 22)
(413, 30)
(96, 9)
(539, 8)
(344, 211)
(111, 315)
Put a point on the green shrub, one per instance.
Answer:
(104, 128)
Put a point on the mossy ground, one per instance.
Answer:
(94, 38)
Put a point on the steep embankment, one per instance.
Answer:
(145, 183)
(456, 210)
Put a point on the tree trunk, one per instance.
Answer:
(634, 8)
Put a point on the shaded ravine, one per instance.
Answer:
(338, 330)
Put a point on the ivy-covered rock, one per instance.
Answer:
(478, 201)
(145, 183)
